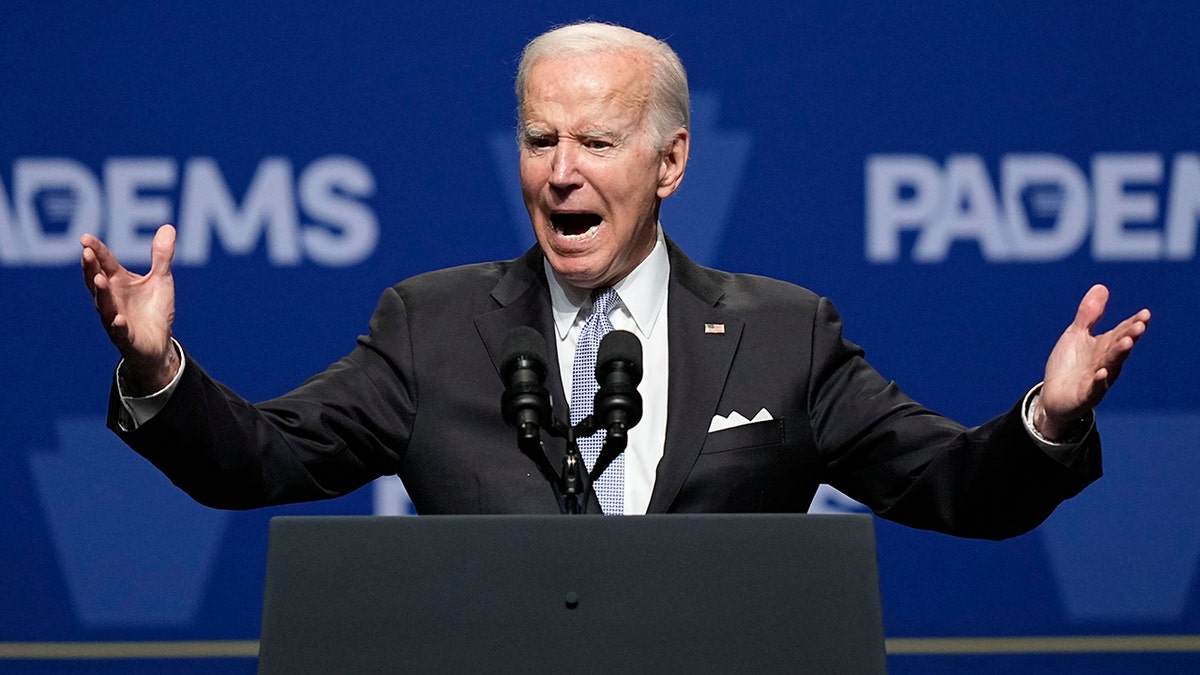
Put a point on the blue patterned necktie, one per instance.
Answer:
(610, 486)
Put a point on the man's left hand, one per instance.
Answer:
(1082, 366)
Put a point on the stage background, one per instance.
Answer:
(954, 175)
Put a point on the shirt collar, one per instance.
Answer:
(643, 292)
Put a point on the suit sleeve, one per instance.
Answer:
(336, 432)
(918, 468)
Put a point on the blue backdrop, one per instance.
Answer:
(954, 175)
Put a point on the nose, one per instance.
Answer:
(564, 169)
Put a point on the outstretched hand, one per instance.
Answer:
(136, 310)
(1082, 366)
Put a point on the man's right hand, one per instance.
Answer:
(136, 310)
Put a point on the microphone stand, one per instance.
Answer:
(574, 483)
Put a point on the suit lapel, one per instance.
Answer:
(699, 362)
(523, 297)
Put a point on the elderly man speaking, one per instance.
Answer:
(751, 395)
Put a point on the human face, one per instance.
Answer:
(591, 175)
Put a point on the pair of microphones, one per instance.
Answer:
(526, 405)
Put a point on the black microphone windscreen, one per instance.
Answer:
(619, 345)
(522, 341)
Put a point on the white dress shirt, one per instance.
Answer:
(643, 312)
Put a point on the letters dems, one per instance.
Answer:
(604, 137)
(1042, 211)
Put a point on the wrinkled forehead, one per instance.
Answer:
(616, 80)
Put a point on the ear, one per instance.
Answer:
(674, 160)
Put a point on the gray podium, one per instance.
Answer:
(559, 594)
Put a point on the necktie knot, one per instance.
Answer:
(604, 301)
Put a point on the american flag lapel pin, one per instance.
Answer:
(714, 329)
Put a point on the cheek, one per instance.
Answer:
(635, 181)
(532, 173)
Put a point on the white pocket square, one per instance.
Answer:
(737, 419)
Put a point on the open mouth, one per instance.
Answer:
(574, 224)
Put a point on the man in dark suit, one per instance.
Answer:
(752, 397)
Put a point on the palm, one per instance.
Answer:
(1083, 366)
(147, 304)
(137, 310)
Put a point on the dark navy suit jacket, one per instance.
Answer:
(419, 397)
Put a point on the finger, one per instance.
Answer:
(1091, 307)
(118, 333)
(90, 269)
(1142, 318)
(1132, 328)
(162, 251)
(106, 305)
(104, 257)
(1101, 381)
(1114, 357)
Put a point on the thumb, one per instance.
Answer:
(1091, 307)
(162, 251)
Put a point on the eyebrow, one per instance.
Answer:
(531, 132)
(603, 133)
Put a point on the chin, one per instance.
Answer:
(577, 272)
(583, 278)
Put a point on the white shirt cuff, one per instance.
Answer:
(1065, 452)
(140, 409)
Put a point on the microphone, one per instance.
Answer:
(618, 405)
(525, 404)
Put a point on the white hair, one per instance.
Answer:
(667, 110)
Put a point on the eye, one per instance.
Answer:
(597, 144)
(541, 141)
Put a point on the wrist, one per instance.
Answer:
(145, 377)
(1055, 428)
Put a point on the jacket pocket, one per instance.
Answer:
(753, 435)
